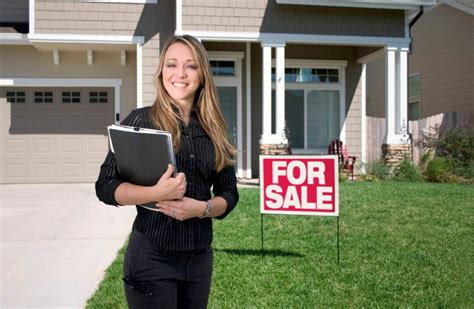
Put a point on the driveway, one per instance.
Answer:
(56, 240)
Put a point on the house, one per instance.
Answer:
(68, 68)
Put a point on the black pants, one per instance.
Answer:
(155, 278)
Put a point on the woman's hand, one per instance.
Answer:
(182, 210)
(169, 187)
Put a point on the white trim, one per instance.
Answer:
(282, 38)
(121, 1)
(116, 83)
(31, 17)
(123, 57)
(14, 39)
(90, 57)
(60, 82)
(233, 81)
(222, 35)
(249, 109)
(139, 75)
(386, 4)
(179, 16)
(459, 6)
(313, 63)
(280, 91)
(266, 92)
(85, 38)
(363, 118)
(342, 106)
(56, 57)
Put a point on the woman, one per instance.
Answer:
(168, 262)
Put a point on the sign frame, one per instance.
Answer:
(333, 158)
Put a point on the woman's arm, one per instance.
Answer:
(167, 188)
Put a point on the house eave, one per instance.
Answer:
(386, 4)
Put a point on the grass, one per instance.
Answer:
(401, 245)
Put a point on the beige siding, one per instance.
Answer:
(375, 88)
(18, 61)
(155, 22)
(268, 16)
(443, 52)
(14, 11)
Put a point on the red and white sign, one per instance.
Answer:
(299, 185)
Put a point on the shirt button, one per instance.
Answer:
(191, 156)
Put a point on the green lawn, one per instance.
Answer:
(401, 244)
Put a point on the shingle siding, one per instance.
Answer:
(442, 53)
(268, 16)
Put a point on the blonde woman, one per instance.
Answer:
(168, 262)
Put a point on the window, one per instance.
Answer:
(43, 97)
(414, 97)
(98, 97)
(71, 97)
(16, 97)
(309, 75)
(314, 95)
(222, 68)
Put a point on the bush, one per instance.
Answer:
(379, 170)
(407, 171)
(438, 170)
(456, 145)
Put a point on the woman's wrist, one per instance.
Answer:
(206, 210)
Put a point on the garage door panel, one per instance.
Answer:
(44, 169)
(15, 146)
(71, 145)
(43, 145)
(53, 142)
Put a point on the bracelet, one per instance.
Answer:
(207, 211)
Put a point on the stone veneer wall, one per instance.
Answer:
(394, 154)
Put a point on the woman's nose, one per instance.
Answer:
(181, 71)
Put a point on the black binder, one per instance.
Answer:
(142, 154)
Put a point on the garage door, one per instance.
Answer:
(53, 135)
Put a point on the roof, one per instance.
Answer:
(386, 4)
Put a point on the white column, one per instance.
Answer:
(139, 75)
(363, 103)
(248, 80)
(280, 92)
(390, 95)
(267, 93)
(403, 89)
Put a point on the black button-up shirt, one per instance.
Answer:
(196, 159)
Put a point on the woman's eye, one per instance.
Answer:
(170, 65)
(193, 67)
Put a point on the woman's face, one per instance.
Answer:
(180, 74)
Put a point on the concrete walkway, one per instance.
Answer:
(56, 241)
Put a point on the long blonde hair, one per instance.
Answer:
(165, 112)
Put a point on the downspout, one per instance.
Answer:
(412, 23)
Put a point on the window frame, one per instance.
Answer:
(16, 96)
(340, 65)
(412, 99)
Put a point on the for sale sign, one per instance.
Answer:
(299, 185)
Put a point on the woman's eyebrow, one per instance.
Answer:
(174, 59)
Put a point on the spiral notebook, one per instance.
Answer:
(142, 154)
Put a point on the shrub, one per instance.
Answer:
(438, 170)
(456, 145)
(379, 169)
(407, 171)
